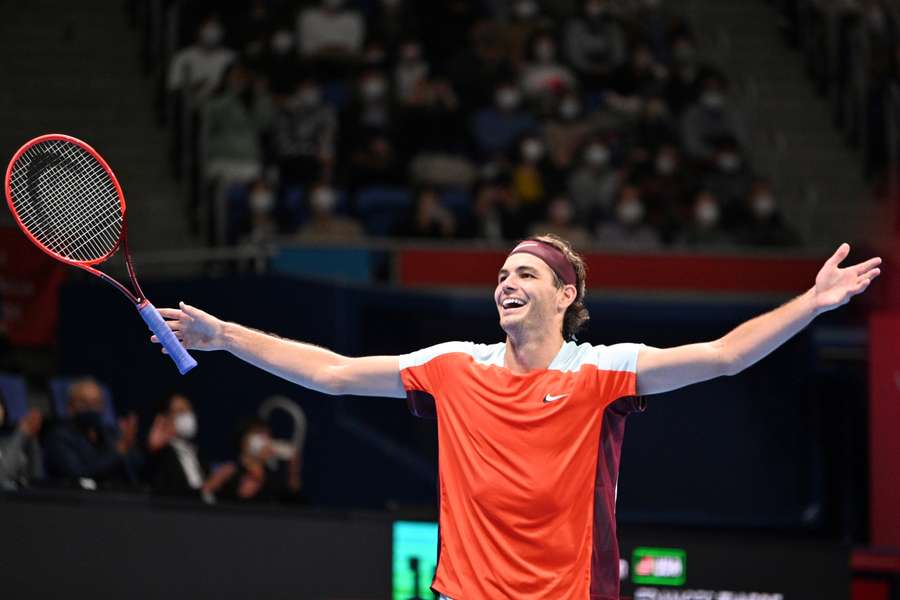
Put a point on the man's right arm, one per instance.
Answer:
(311, 366)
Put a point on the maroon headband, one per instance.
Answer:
(551, 255)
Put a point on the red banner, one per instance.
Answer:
(884, 420)
(29, 291)
(671, 271)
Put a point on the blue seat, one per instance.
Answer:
(59, 400)
(382, 208)
(15, 396)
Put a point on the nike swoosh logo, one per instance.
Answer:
(549, 398)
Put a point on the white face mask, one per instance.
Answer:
(373, 88)
(533, 150)
(256, 443)
(763, 205)
(569, 108)
(597, 155)
(323, 200)
(261, 200)
(211, 35)
(508, 98)
(707, 214)
(282, 42)
(665, 165)
(713, 100)
(185, 425)
(630, 212)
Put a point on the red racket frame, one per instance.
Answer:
(86, 265)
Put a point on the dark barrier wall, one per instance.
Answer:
(127, 548)
(747, 450)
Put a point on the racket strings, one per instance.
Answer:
(67, 200)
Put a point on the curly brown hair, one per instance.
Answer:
(577, 313)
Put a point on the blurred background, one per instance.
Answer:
(351, 173)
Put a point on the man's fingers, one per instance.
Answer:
(171, 313)
(839, 256)
(866, 266)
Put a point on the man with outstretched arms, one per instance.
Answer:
(530, 429)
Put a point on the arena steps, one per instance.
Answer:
(818, 177)
(79, 73)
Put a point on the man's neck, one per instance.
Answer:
(529, 352)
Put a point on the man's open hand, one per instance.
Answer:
(835, 285)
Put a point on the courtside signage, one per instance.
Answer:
(659, 566)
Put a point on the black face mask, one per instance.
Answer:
(88, 419)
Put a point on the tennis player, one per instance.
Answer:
(529, 429)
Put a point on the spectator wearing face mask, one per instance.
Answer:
(730, 179)
(280, 64)
(174, 467)
(480, 67)
(655, 125)
(594, 185)
(543, 74)
(595, 44)
(566, 130)
(628, 228)
(526, 18)
(686, 75)
(304, 136)
(429, 218)
(560, 220)
(324, 222)
(266, 470)
(410, 70)
(764, 224)
(636, 81)
(711, 119)
(430, 120)
(496, 129)
(21, 460)
(375, 162)
(371, 112)
(198, 68)
(666, 189)
(83, 446)
(532, 174)
(704, 228)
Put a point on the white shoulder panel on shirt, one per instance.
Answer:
(618, 357)
(486, 354)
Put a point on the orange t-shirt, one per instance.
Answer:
(528, 466)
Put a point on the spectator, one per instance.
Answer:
(496, 129)
(655, 125)
(393, 22)
(486, 219)
(594, 185)
(233, 121)
(281, 67)
(429, 218)
(729, 179)
(411, 69)
(304, 136)
(710, 120)
(686, 77)
(705, 228)
(629, 229)
(198, 68)
(526, 20)
(173, 463)
(330, 32)
(480, 67)
(560, 221)
(324, 222)
(266, 470)
(595, 44)
(566, 131)
(638, 79)
(261, 200)
(83, 446)
(20, 455)
(665, 190)
(543, 75)
(429, 118)
(765, 226)
(370, 112)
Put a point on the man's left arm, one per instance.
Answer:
(664, 369)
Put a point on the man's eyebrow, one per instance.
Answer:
(518, 269)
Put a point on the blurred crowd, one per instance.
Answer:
(83, 445)
(468, 119)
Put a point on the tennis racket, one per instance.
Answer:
(69, 203)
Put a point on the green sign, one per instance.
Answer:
(659, 566)
(414, 559)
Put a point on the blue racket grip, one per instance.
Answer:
(184, 361)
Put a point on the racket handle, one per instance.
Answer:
(184, 361)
